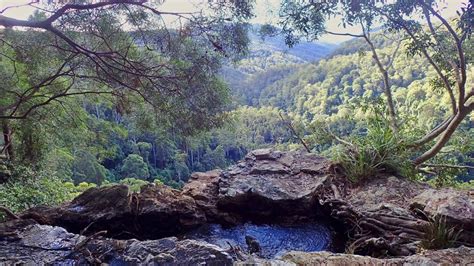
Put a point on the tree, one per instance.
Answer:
(122, 49)
(135, 167)
(443, 45)
(86, 168)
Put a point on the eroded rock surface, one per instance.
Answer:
(266, 184)
(25, 242)
(457, 206)
(204, 188)
(157, 211)
(457, 256)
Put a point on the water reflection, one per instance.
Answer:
(274, 240)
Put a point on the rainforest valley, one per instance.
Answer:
(86, 102)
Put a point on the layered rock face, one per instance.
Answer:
(385, 216)
(454, 256)
(266, 185)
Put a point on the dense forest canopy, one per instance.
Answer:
(96, 93)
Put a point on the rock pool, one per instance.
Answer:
(274, 240)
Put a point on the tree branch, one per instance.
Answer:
(447, 166)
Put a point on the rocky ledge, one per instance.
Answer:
(385, 216)
(24, 242)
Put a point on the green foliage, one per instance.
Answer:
(86, 168)
(134, 167)
(79, 189)
(28, 188)
(133, 183)
(439, 235)
(186, 124)
(375, 150)
(21, 195)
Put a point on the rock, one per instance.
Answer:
(170, 251)
(157, 211)
(383, 190)
(457, 206)
(203, 188)
(252, 245)
(42, 244)
(164, 211)
(457, 256)
(272, 184)
(33, 244)
(264, 154)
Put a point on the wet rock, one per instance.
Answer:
(252, 245)
(170, 251)
(42, 244)
(164, 211)
(25, 242)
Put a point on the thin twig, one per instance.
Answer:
(290, 126)
(89, 238)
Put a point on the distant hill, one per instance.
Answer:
(304, 51)
(269, 60)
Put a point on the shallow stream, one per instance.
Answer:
(274, 240)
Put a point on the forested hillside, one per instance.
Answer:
(337, 91)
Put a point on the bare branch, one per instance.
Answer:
(447, 166)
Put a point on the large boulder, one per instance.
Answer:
(386, 190)
(163, 211)
(384, 216)
(274, 184)
(157, 211)
(266, 185)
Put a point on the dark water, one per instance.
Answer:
(274, 240)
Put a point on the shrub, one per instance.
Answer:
(27, 188)
(20, 195)
(77, 190)
(133, 183)
(438, 235)
(378, 150)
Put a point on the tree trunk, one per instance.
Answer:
(446, 136)
(433, 134)
(7, 140)
(391, 105)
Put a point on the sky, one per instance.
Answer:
(266, 12)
